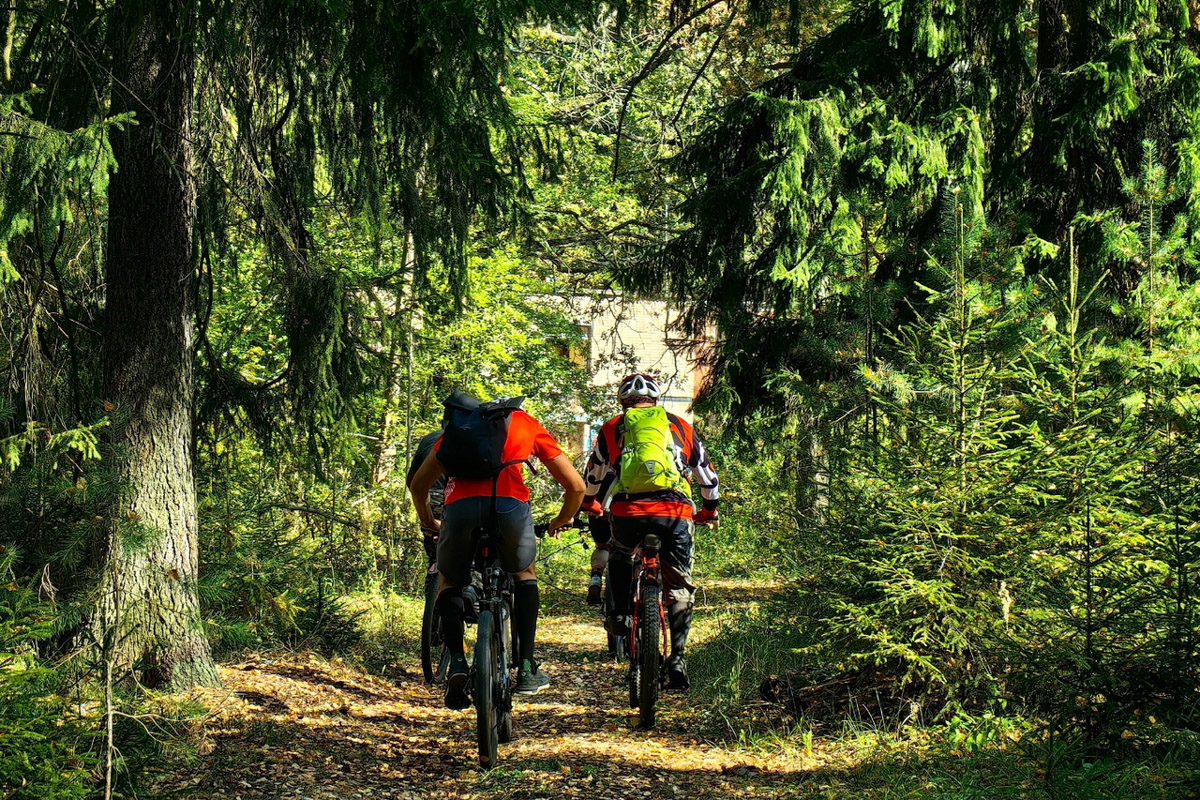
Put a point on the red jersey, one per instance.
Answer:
(526, 439)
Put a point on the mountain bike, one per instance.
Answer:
(495, 651)
(648, 634)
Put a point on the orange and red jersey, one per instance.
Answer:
(526, 439)
(691, 460)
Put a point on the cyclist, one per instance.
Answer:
(469, 506)
(437, 493)
(601, 531)
(664, 508)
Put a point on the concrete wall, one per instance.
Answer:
(625, 336)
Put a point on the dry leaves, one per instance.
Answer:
(297, 726)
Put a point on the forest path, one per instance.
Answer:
(297, 726)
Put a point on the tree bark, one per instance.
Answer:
(149, 609)
(812, 473)
(1053, 205)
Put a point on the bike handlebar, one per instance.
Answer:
(542, 528)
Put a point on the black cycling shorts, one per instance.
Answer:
(676, 553)
(456, 542)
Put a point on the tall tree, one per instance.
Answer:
(150, 609)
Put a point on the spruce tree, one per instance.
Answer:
(1081, 598)
(149, 612)
(919, 523)
(1033, 111)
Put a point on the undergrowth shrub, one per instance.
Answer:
(757, 513)
(917, 543)
(46, 751)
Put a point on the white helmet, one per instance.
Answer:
(638, 386)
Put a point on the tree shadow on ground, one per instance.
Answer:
(434, 755)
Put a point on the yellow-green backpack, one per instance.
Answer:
(647, 461)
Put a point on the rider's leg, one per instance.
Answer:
(601, 534)
(626, 535)
(526, 604)
(596, 579)
(679, 619)
(599, 559)
(450, 604)
(677, 559)
(518, 549)
(530, 677)
(455, 552)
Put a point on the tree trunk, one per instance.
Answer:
(149, 608)
(1053, 207)
(812, 473)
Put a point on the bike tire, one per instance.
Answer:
(634, 672)
(428, 630)
(504, 730)
(614, 642)
(649, 654)
(486, 673)
(635, 680)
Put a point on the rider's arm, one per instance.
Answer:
(703, 474)
(599, 467)
(424, 479)
(568, 478)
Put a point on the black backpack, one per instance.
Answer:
(474, 436)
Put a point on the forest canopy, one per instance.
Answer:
(932, 266)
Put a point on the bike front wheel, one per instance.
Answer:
(503, 685)
(649, 653)
(486, 677)
(430, 631)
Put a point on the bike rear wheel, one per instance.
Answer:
(635, 681)
(649, 653)
(486, 678)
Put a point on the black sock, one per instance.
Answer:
(452, 625)
(597, 571)
(620, 578)
(679, 619)
(525, 613)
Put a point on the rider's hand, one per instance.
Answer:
(557, 524)
(434, 531)
(592, 508)
(706, 517)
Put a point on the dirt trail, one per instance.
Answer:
(301, 727)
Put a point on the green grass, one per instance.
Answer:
(740, 638)
(391, 626)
